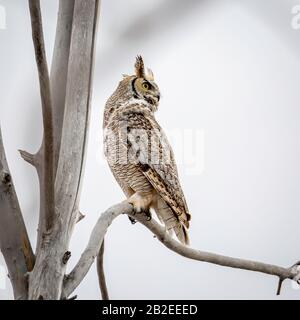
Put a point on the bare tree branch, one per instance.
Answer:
(101, 274)
(87, 258)
(74, 278)
(280, 281)
(14, 241)
(59, 69)
(77, 107)
(28, 157)
(80, 216)
(48, 140)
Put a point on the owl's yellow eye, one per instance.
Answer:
(145, 86)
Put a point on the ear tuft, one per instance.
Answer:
(150, 75)
(139, 67)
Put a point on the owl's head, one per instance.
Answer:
(139, 86)
(143, 85)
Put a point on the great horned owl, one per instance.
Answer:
(139, 154)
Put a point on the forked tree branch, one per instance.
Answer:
(80, 270)
(71, 109)
(74, 278)
(14, 241)
(47, 111)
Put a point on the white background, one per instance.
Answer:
(228, 70)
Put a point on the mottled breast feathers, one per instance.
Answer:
(147, 146)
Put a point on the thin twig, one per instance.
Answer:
(280, 281)
(101, 274)
(28, 157)
(87, 258)
(80, 216)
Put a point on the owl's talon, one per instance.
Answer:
(133, 221)
(148, 215)
(140, 202)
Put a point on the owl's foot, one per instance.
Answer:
(141, 203)
(147, 214)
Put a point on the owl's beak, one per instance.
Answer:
(156, 99)
(153, 99)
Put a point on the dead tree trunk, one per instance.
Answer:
(60, 161)
(65, 100)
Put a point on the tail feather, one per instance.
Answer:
(182, 233)
(171, 221)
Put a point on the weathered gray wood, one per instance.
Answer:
(74, 278)
(45, 160)
(56, 98)
(101, 273)
(77, 108)
(88, 256)
(14, 241)
(45, 282)
(59, 69)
